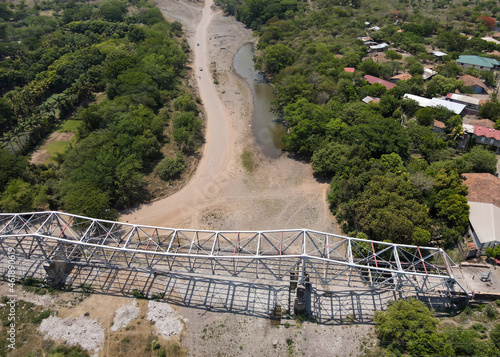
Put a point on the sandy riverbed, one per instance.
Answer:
(279, 193)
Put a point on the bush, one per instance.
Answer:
(169, 168)
(491, 312)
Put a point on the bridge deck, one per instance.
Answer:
(319, 257)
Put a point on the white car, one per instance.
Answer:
(201, 68)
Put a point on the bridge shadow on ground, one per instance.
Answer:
(331, 305)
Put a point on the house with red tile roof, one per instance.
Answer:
(487, 136)
(373, 79)
(349, 69)
(475, 83)
(484, 202)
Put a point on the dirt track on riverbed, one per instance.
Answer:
(278, 193)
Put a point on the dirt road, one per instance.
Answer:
(216, 152)
(279, 193)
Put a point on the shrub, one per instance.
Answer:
(169, 168)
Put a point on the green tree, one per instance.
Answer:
(11, 167)
(21, 196)
(169, 168)
(392, 55)
(113, 10)
(481, 160)
(83, 198)
(330, 159)
(404, 323)
(495, 335)
(439, 85)
(277, 57)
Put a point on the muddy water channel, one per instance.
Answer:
(266, 127)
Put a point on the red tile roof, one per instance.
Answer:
(483, 188)
(402, 76)
(372, 80)
(349, 69)
(439, 124)
(480, 122)
(487, 132)
(471, 246)
(471, 81)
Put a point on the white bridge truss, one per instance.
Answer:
(288, 255)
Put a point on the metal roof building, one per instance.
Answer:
(484, 203)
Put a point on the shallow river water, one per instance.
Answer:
(266, 127)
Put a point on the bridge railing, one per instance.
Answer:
(319, 257)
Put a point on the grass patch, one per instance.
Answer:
(57, 147)
(70, 126)
(247, 161)
(27, 318)
(455, 255)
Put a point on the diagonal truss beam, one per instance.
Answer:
(277, 254)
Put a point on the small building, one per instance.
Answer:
(439, 54)
(472, 104)
(439, 126)
(484, 202)
(379, 48)
(476, 84)
(478, 62)
(422, 101)
(401, 77)
(372, 79)
(428, 73)
(491, 39)
(369, 99)
(456, 108)
(488, 137)
(349, 69)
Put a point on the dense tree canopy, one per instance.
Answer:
(136, 60)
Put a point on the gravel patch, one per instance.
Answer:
(166, 319)
(88, 333)
(124, 315)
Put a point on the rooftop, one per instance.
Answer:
(349, 69)
(471, 81)
(454, 107)
(422, 101)
(487, 132)
(369, 99)
(464, 98)
(490, 39)
(480, 122)
(373, 79)
(478, 61)
(380, 46)
(484, 202)
(428, 73)
(483, 188)
(439, 124)
(402, 76)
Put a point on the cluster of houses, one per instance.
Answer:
(459, 104)
(483, 188)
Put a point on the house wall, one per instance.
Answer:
(483, 140)
(467, 65)
(477, 89)
(481, 246)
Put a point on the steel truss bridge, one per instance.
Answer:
(294, 254)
